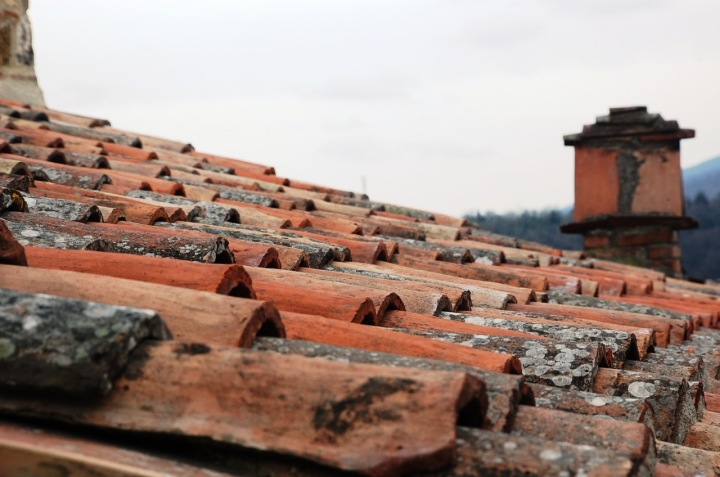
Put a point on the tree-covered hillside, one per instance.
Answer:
(543, 227)
(700, 247)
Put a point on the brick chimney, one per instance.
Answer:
(629, 200)
(17, 66)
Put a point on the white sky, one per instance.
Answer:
(450, 106)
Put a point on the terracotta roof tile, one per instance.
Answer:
(300, 292)
(132, 210)
(342, 333)
(705, 462)
(544, 361)
(667, 331)
(189, 314)
(401, 405)
(476, 271)
(623, 344)
(27, 450)
(416, 297)
(478, 295)
(319, 253)
(54, 344)
(620, 408)
(631, 440)
(72, 176)
(483, 453)
(237, 251)
(670, 398)
(230, 280)
(505, 392)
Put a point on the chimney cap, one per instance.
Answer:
(630, 121)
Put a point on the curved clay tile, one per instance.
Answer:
(49, 232)
(53, 344)
(362, 251)
(476, 271)
(230, 280)
(479, 294)
(667, 331)
(376, 420)
(631, 439)
(338, 333)
(189, 314)
(243, 253)
(29, 451)
(299, 292)
(417, 297)
(505, 392)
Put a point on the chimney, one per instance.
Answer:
(629, 200)
(17, 66)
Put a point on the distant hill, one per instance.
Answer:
(704, 178)
(538, 226)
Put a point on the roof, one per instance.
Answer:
(165, 311)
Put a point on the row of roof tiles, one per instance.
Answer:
(169, 312)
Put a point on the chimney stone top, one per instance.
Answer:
(629, 121)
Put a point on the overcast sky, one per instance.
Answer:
(451, 106)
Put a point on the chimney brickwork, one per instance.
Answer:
(17, 63)
(629, 201)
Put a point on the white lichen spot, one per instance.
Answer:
(550, 454)
(101, 332)
(540, 370)
(641, 390)
(582, 370)
(565, 357)
(536, 352)
(475, 320)
(81, 353)
(30, 322)
(7, 348)
(561, 381)
(30, 233)
(597, 402)
(510, 446)
(60, 359)
(581, 353)
(24, 242)
(96, 310)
